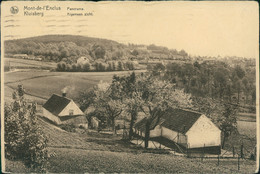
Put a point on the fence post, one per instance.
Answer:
(218, 159)
(241, 151)
(255, 153)
(233, 151)
(188, 145)
(203, 153)
(238, 167)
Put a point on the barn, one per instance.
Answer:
(192, 131)
(62, 110)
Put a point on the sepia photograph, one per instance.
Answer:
(130, 87)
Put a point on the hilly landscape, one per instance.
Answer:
(46, 65)
(59, 47)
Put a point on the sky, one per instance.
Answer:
(200, 28)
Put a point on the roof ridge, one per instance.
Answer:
(190, 110)
(62, 96)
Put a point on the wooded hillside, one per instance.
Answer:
(59, 47)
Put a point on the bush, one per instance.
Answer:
(68, 127)
(24, 139)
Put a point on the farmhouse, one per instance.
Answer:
(190, 130)
(83, 60)
(62, 110)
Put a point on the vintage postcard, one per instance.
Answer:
(129, 87)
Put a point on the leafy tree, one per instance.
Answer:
(99, 51)
(239, 72)
(113, 66)
(227, 121)
(158, 69)
(109, 68)
(74, 68)
(86, 67)
(85, 101)
(134, 52)
(120, 66)
(108, 99)
(131, 98)
(24, 139)
(157, 97)
(222, 114)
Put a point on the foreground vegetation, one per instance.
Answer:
(97, 152)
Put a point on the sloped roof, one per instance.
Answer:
(56, 104)
(141, 124)
(180, 120)
(177, 120)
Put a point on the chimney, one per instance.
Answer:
(63, 94)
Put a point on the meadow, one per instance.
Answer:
(42, 84)
(19, 63)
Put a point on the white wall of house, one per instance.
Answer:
(204, 131)
(166, 133)
(156, 132)
(174, 136)
(71, 106)
(50, 116)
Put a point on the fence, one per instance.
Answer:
(232, 157)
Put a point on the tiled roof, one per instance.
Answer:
(177, 120)
(56, 104)
(180, 120)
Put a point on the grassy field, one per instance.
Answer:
(247, 128)
(95, 152)
(17, 63)
(42, 84)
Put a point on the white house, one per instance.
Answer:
(191, 130)
(62, 110)
(83, 60)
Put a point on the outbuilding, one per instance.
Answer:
(62, 110)
(190, 130)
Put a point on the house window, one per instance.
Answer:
(71, 112)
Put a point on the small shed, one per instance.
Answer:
(62, 110)
(190, 130)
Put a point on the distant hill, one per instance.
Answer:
(60, 47)
(79, 40)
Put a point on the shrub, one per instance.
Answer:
(68, 127)
(24, 139)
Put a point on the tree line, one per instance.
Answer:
(96, 66)
(218, 80)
